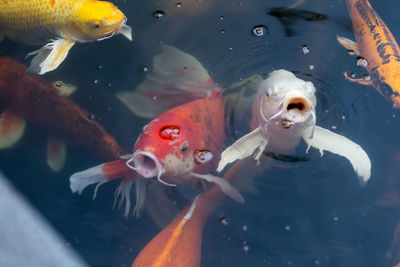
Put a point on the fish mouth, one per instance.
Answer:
(147, 164)
(296, 109)
(298, 104)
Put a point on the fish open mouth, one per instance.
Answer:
(146, 164)
(299, 104)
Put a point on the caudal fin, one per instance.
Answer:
(177, 78)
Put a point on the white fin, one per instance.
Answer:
(56, 153)
(140, 185)
(12, 128)
(50, 56)
(348, 44)
(337, 144)
(126, 31)
(80, 180)
(244, 147)
(225, 186)
(122, 193)
(177, 78)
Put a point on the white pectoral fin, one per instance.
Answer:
(126, 31)
(56, 153)
(50, 56)
(243, 148)
(225, 186)
(348, 44)
(12, 128)
(337, 144)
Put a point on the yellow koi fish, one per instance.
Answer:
(59, 24)
(377, 45)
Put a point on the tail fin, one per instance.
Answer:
(177, 79)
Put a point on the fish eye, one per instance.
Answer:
(96, 24)
(268, 92)
(170, 132)
(58, 83)
(185, 146)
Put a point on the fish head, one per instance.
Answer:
(96, 20)
(166, 150)
(285, 101)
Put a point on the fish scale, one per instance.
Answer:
(33, 22)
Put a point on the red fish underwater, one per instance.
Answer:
(180, 146)
(34, 99)
(377, 45)
(179, 244)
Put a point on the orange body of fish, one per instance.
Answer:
(179, 244)
(376, 44)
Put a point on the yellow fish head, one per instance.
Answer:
(95, 20)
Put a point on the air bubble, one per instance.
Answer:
(178, 5)
(145, 68)
(260, 30)
(158, 14)
(362, 62)
(305, 49)
(96, 81)
(224, 221)
(91, 116)
(244, 228)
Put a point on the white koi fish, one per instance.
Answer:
(283, 114)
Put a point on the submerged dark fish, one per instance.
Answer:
(35, 99)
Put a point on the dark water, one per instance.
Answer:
(309, 212)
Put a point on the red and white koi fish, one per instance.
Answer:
(59, 24)
(283, 114)
(378, 46)
(180, 146)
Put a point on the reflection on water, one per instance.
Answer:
(308, 210)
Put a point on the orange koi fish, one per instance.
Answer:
(34, 99)
(377, 45)
(180, 146)
(179, 244)
(58, 25)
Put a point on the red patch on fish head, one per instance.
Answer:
(172, 144)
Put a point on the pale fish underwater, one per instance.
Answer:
(283, 114)
(59, 24)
